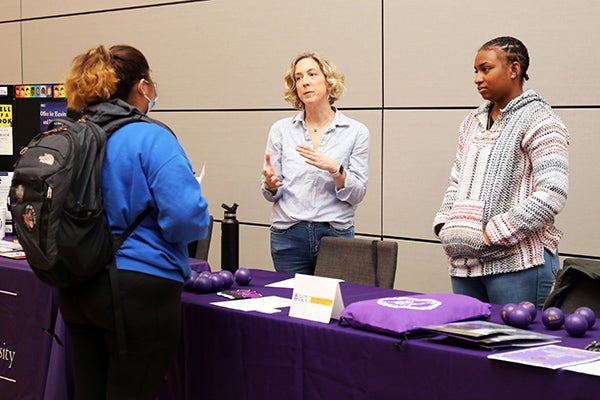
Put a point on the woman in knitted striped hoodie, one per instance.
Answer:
(508, 182)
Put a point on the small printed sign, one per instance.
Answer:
(316, 298)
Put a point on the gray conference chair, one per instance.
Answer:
(199, 249)
(363, 261)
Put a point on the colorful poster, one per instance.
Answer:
(6, 130)
(38, 91)
(46, 91)
(51, 111)
(59, 91)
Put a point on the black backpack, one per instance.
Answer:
(577, 284)
(56, 202)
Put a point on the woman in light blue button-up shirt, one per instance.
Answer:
(316, 166)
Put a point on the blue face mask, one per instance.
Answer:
(151, 103)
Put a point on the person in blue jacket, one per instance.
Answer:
(144, 168)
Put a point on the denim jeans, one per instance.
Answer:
(294, 250)
(533, 284)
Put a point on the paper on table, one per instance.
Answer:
(6, 245)
(199, 177)
(286, 283)
(551, 356)
(289, 283)
(268, 310)
(17, 255)
(262, 304)
(591, 368)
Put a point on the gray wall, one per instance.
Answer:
(409, 72)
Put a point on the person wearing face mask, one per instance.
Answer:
(144, 168)
(316, 166)
(508, 182)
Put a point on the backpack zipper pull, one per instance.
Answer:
(49, 192)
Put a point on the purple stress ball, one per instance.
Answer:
(202, 284)
(206, 273)
(227, 277)
(576, 325)
(519, 317)
(217, 282)
(505, 310)
(553, 318)
(589, 315)
(189, 285)
(531, 307)
(243, 276)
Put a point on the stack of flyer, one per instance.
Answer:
(11, 249)
(489, 335)
(553, 357)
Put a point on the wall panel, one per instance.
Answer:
(429, 56)
(254, 247)
(420, 146)
(579, 219)
(10, 67)
(210, 55)
(11, 10)
(422, 268)
(37, 9)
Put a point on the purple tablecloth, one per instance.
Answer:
(228, 354)
(26, 307)
(32, 364)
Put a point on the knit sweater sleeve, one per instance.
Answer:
(455, 173)
(546, 146)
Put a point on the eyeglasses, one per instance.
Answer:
(155, 84)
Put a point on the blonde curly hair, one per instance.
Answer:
(334, 78)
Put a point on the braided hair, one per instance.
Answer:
(514, 49)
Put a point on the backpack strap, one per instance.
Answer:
(119, 239)
(117, 123)
(114, 283)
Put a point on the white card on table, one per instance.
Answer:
(316, 298)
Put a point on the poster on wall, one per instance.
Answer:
(38, 91)
(6, 130)
(6, 123)
(25, 110)
(49, 112)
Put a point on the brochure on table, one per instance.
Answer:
(591, 368)
(490, 335)
(6, 217)
(267, 304)
(551, 356)
(9, 246)
(11, 249)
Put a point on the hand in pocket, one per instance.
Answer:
(462, 234)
